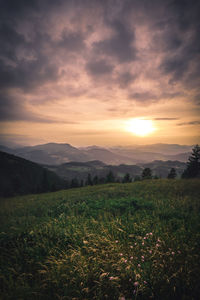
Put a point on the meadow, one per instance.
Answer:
(137, 240)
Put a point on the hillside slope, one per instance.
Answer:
(20, 176)
(137, 241)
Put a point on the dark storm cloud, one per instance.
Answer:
(11, 109)
(10, 41)
(125, 79)
(28, 73)
(99, 67)
(181, 37)
(143, 97)
(72, 41)
(119, 45)
(49, 42)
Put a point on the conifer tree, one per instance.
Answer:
(89, 180)
(147, 173)
(126, 178)
(172, 174)
(193, 164)
(110, 177)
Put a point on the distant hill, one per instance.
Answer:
(56, 154)
(80, 170)
(52, 153)
(20, 176)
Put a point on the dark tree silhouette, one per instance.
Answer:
(147, 173)
(172, 174)
(74, 183)
(95, 179)
(193, 164)
(89, 180)
(110, 177)
(126, 178)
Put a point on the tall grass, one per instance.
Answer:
(134, 241)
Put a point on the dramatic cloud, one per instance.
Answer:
(119, 45)
(75, 62)
(99, 68)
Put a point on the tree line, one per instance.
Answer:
(192, 170)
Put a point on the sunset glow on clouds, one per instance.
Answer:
(77, 71)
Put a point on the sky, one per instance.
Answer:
(80, 72)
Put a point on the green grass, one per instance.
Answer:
(139, 241)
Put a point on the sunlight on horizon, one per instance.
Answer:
(140, 127)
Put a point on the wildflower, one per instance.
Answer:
(145, 282)
(113, 278)
(142, 257)
(157, 245)
(136, 283)
(151, 233)
(158, 240)
(125, 260)
(173, 252)
(131, 257)
(116, 241)
(143, 243)
(150, 251)
(131, 247)
(121, 254)
(147, 234)
(135, 244)
(145, 238)
(139, 265)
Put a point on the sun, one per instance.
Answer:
(140, 127)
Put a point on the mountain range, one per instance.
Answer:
(56, 154)
(21, 176)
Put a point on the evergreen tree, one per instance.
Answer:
(193, 164)
(95, 179)
(147, 173)
(74, 183)
(89, 180)
(172, 174)
(126, 178)
(110, 177)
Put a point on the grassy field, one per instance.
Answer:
(117, 241)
